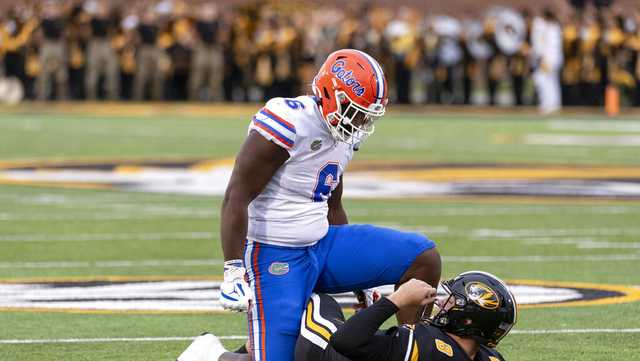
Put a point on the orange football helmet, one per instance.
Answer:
(353, 94)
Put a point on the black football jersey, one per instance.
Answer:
(426, 342)
(405, 343)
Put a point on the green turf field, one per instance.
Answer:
(66, 233)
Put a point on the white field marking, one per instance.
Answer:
(581, 243)
(90, 237)
(582, 238)
(115, 216)
(583, 140)
(142, 198)
(110, 339)
(608, 245)
(135, 208)
(167, 207)
(206, 213)
(553, 232)
(134, 131)
(217, 262)
(595, 126)
(578, 330)
(420, 229)
(540, 258)
(113, 264)
(492, 211)
(244, 337)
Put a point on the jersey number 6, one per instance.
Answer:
(294, 104)
(326, 180)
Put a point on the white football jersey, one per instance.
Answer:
(292, 209)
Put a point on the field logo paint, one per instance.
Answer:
(410, 180)
(159, 295)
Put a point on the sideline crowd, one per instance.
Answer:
(182, 50)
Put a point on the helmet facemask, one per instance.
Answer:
(455, 312)
(351, 123)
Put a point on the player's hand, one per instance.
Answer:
(413, 293)
(235, 293)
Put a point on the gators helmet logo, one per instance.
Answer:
(482, 295)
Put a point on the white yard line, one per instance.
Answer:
(109, 339)
(483, 233)
(578, 330)
(529, 236)
(115, 216)
(581, 243)
(217, 262)
(541, 258)
(210, 213)
(90, 237)
(583, 140)
(242, 337)
(595, 126)
(490, 211)
(113, 264)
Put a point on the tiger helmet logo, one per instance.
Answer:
(482, 295)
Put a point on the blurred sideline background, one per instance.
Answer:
(505, 53)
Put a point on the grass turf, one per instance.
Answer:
(40, 225)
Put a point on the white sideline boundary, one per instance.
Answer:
(241, 337)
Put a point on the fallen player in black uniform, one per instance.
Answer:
(476, 312)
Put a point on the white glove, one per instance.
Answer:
(235, 293)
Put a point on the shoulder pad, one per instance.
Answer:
(275, 123)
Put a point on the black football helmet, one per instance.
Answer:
(482, 307)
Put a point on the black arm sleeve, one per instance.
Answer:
(357, 338)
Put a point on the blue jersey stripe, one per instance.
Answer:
(277, 119)
(281, 137)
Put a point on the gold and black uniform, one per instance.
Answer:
(325, 336)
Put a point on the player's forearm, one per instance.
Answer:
(337, 214)
(357, 339)
(233, 230)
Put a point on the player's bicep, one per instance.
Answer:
(336, 195)
(255, 165)
(337, 215)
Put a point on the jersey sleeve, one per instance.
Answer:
(359, 340)
(275, 123)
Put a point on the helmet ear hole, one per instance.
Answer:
(326, 93)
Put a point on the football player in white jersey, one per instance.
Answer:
(284, 230)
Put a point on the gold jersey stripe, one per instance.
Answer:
(414, 352)
(315, 327)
